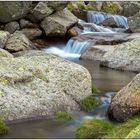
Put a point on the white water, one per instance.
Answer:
(74, 48)
(98, 17)
(61, 52)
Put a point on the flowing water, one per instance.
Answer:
(108, 81)
(98, 17)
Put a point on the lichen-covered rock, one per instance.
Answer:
(18, 42)
(126, 102)
(32, 33)
(4, 35)
(11, 27)
(38, 84)
(124, 57)
(40, 11)
(134, 134)
(13, 10)
(58, 23)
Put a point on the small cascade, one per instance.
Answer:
(73, 49)
(98, 17)
(76, 47)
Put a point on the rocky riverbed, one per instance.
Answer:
(36, 82)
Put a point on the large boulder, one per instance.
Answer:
(124, 57)
(4, 35)
(18, 42)
(58, 23)
(13, 10)
(40, 11)
(38, 84)
(126, 103)
(104, 43)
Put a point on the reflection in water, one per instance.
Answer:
(106, 79)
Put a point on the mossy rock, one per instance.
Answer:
(112, 8)
(122, 130)
(3, 127)
(79, 5)
(89, 103)
(134, 133)
(93, 129)
(108, 130)
(63, 116)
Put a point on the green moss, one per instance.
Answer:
(79, 5)
(94, 89)
(123, 129)
(134, 133)
(3, 128)
(104, 129)
(89, 103)
(93, 129)
(63, 116)
(113, 8)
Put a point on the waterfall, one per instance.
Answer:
(98, 17)
(73, 49)
(76, 47)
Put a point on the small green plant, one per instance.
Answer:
(113, 8)
(79, 5)
(94, 89)
(63, 116)
(89, 103)
(123, 129)
(93, 129)
(134, 133)
(3, 127)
